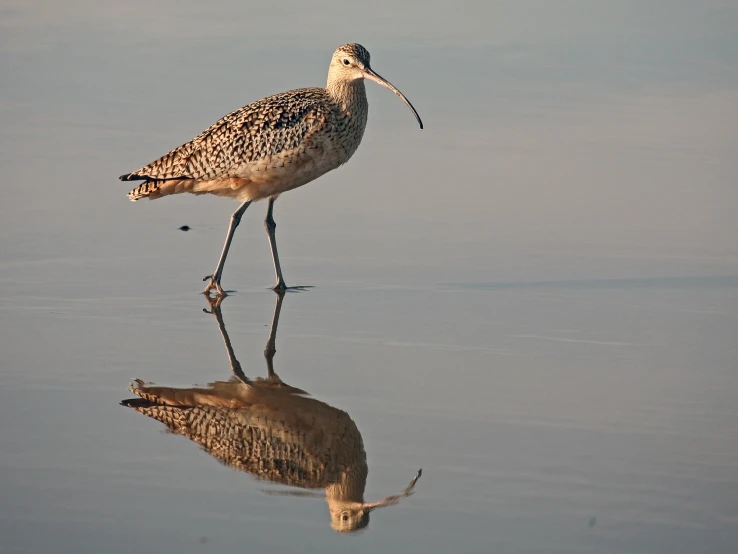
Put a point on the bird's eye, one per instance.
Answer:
(346, 61)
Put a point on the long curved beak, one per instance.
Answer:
(369, 73)
(392, 500)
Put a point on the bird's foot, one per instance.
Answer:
(281, 288)
(213, 284)
(214, 302)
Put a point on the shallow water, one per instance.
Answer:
(535, 299)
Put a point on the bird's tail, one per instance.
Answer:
(188, 412)
(174, 417)
(163, 396)
(148, 189)
(160, 403)
(156, 188)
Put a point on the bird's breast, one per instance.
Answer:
(280, 172)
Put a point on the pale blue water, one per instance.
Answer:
(535, 299)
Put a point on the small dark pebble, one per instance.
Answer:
(203, 540)
(185, 228)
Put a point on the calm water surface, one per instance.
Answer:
(535, 299)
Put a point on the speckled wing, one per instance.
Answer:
(285, 438)
(267, 127)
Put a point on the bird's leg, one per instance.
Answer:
(270, 349)
(235, 364)
(215, 277)
(271, 226)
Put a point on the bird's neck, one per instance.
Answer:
(350, 95)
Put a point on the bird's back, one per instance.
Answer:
(273, 144)
(271, 432)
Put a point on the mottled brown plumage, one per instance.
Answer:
(270, 146)
(266, 429)
(265, 148)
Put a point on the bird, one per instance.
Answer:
(271, 430)
(270, 146)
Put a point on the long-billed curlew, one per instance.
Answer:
(272, 430)
(269, 147)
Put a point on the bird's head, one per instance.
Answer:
(350, 63)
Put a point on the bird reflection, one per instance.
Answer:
(273, 431)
